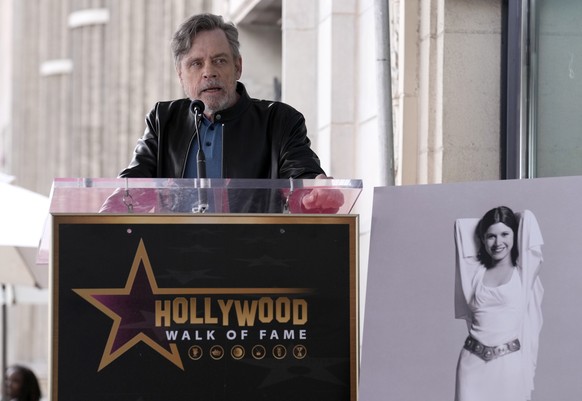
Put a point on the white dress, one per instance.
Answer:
(497, 315)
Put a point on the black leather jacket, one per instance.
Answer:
(261, 139)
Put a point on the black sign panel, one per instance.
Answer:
(204, 307)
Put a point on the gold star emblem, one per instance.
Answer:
(131, 308)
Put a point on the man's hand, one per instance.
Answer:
(322, 200)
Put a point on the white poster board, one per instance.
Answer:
(411, 339)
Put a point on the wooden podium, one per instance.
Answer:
(188, 290)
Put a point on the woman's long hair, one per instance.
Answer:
(500, 214)
(30, 390)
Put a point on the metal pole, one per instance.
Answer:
(4, 333)
(385, 126)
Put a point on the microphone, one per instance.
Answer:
(197, 108)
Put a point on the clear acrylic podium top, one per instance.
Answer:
(162, 195)
(192, 196)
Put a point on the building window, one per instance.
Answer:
(544, 88)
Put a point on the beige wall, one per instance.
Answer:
(471, 94)
(5, 81)
(261, 53)
(449, 90)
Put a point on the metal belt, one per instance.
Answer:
(489, 353)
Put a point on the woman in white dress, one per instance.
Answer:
(499, 294)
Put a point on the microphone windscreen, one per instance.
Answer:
(197, 106)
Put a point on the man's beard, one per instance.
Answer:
(214, 104)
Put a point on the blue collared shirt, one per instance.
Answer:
(211, 139)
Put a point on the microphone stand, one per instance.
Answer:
(200, 167)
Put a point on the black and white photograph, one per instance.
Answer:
(473, 292)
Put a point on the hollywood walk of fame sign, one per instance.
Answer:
(215, 307)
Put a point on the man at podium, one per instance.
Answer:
(241, 137)
(218, 130)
